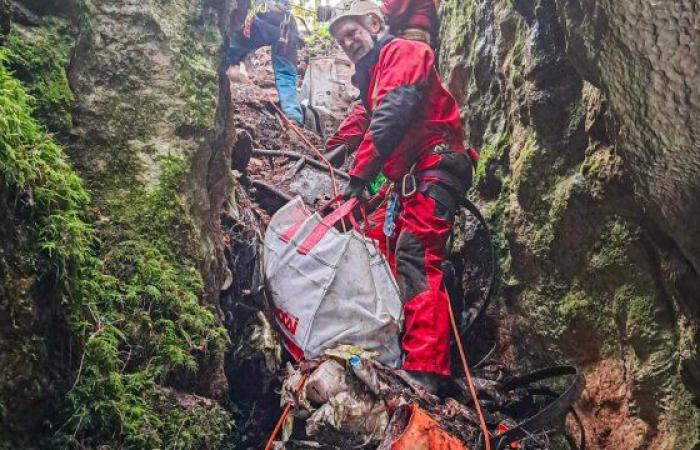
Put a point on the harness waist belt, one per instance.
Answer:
(451, 181)
(440, 195)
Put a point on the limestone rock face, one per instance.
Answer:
(117, 343)
(645, 57)
(586, 114)
(145, 81)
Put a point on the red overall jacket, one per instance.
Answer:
(351, 130)
(405, 111)
(403, 14)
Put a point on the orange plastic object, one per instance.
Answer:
(502, 428)
(423, 433)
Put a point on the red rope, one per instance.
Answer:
(289, 124)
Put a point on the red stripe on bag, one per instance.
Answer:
(296, 353)
(326, 224)
(291, 231)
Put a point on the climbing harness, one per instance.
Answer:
(442, 191)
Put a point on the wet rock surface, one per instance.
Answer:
(588, 130)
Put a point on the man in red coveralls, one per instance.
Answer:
(409, 128)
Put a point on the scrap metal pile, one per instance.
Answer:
(345, 399)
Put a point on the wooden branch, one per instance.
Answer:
(295, 155)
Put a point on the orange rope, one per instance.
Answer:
(309, 145)
(292, 126)
(285, 413)
(470, 383)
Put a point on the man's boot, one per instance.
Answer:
(428, 381)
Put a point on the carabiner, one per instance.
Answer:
(408, 178)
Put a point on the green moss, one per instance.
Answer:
(585, 308)
(518, 50)
(134, 313)
(457, 18)
(37, 166)
(39, 59)
(159, 216)
(495, 215)
(545, 200)
(491, 180)
(612, 246)
(485, 158)
(592, 164)
(205, 426)
(684, 420)
(613, 303)
(539, 303)
(533, 194)
(637, 311)
(148, 296)
(196, 78)
(143, 327)
(564, 190)
(641, 325)
(573, 303)
(490, 168)
(85, 12)
(526, 161)
(45, 202)
(517, 58)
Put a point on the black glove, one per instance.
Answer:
(355, 189)
(338, 155)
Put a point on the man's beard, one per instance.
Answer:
(364, 50)
(361, 53)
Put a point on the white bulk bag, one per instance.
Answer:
(328, 287)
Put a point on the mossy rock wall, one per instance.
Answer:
(144, 75)
(110, 262)
(586, 115)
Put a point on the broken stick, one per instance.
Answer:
(295, 155)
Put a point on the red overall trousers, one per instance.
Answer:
(415, 253)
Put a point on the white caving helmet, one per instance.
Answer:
(357, 10)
